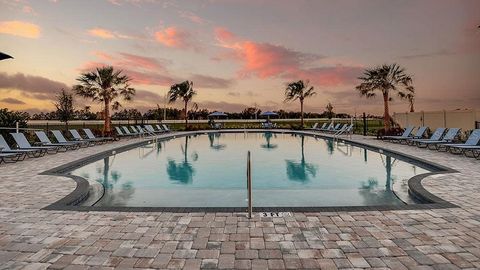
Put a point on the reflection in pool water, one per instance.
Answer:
(268, 138)
(110, 179)
(301, 170)
(288, 170)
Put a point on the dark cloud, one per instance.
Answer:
(12, 101)
(147, 96)
(210, 82)
(31, 86)
(248, 94)
(222, 106)
(426, 55)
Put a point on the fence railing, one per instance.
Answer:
(369, 125)
(464, 119)
(190, 121)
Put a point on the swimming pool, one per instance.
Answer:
(288, 170)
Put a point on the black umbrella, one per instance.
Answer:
(4, 56)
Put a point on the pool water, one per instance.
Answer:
(288, 170)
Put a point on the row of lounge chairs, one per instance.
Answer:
(138, 130)
(336, 130)
(46, 146)
(269, 124)
(441, 140)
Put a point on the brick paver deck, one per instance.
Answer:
(31, 238)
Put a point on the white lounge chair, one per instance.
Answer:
(120, 133)
(76, 136)
(61, 139)
(128, 132)
(437, 135)
(10, 157)
(5, 149)
(434, 144)
(459, 148)
(406, 134)
(165, 127)
(91, 136)
(45, 141)
(23, 143)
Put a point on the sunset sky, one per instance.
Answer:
(242, 53)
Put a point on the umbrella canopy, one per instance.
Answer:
(268, 113)
(4, 56)
(217, 114)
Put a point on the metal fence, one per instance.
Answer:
(370, 125)
(464, 119)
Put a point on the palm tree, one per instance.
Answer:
(300, 171)
(183, 90)
(329, 109)
(388, 79)
(411, 99)
(181, 172)
(299, 90)
(105, 85)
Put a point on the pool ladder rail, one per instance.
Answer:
(249, 185)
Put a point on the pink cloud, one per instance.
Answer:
(141, 62)
(265, 60)
(109, 34)
(150, 71)
(101, 33)
(142, 70)
(132, 60)
(174, 37)
(28, 9)
(224, 35)
(192, 17)
(19, 28)
(328, 76)
(143, 77)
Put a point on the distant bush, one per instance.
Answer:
(9, 119)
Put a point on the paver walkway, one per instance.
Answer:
(31, 238)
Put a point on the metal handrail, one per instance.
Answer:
(249, 185)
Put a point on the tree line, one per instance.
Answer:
(174, 113)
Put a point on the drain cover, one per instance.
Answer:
(275, 214)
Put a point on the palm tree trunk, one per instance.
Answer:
(388, 184)
(411, 107)
(186, 114)
(386, 114)
(301, 112)
(106, 112)
(303, 146)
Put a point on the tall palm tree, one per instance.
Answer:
(184, 91)
(411, 99)
(105, 85)
(389, 80)
(301, 171)
(299, 90)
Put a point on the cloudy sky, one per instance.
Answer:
(241, 53)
